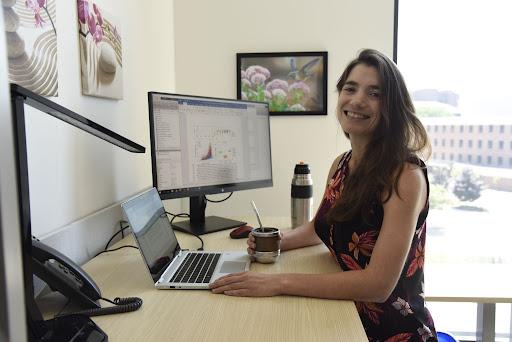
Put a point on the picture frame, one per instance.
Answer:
(293, 83)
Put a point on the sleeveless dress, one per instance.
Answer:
(403, 316)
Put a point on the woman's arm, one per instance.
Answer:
(374, 283)
(304, 235)
(301, 236)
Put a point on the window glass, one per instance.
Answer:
(449, 69)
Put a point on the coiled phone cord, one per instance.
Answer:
(121, 305)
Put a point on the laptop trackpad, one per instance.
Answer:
(232, 267)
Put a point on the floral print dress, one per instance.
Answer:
(403, 316)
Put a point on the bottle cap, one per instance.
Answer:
(302, 169)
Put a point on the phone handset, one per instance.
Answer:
(63, 275)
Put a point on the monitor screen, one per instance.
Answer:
(203, 145)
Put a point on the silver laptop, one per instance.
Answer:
(171, 267)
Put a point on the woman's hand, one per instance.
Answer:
(251, 242)
(247, 284)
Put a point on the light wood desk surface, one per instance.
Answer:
(199, 315)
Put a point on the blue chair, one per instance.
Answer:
(446, 337)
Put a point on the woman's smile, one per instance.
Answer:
(355, 115)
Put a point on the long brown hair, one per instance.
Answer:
(398, 136)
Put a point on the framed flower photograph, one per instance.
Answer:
(293, 83)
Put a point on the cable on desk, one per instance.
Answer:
(185, 231)
(119, 231)
(222, 200)
(121, 226)
(116, 249)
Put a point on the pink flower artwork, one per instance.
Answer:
(32, 45)
(101, 51)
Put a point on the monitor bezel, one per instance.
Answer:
(202, 190)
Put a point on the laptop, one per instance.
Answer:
(169, 266)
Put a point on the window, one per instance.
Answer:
(451, 142)
(478, 113)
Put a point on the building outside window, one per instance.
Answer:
(436, 59)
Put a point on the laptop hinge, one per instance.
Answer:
(164, 277)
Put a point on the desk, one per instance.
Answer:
(484, 284)
(199, 315)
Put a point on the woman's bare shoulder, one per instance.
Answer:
(334, 166)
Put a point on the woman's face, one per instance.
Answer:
(358, 106)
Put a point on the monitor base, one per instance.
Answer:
(211, 224)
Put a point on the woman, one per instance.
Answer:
(372, 216)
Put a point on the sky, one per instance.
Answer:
(463, 46)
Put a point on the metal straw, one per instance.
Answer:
(257, 216)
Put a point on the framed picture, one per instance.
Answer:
(293, 83)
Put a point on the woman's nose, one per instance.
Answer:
(358, 99)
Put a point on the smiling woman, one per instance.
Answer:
(373, 214)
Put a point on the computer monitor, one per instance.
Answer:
(204, 145)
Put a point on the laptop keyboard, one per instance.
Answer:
(196, 268)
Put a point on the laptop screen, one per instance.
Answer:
(152, 229)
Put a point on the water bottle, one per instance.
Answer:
(302, 195)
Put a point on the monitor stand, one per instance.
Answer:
(199, 224)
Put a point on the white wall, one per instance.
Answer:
(208, 34)
(73, 174)
(12, 304)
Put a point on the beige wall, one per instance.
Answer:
(208, 34)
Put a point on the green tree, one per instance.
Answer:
(432, 112)
(468, 186)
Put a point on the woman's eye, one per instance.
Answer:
(349, 89)
(375, 94)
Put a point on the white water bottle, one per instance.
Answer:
(301, 195)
